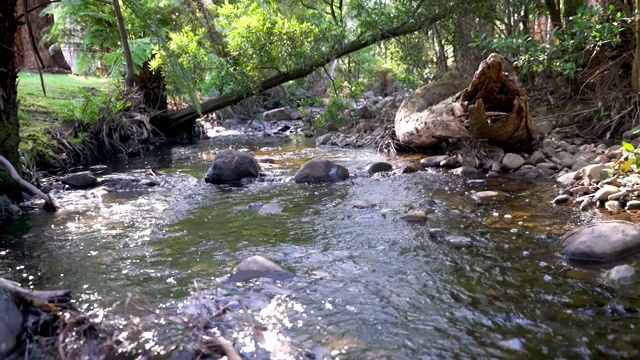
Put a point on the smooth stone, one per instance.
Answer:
(633, 205)
(600, 159)
(604, 193)
(484, 196)
(10, 323)
(621, 275)
(477, 182)
(537, 157)
(568, 161)
(594, 172)
(415, 216)
(433, 161)
(464, 170)
(601, 241)
(360, 204)
(512, 161)
(579, 190)
(579, 164)
(613, 206)
(270, 208)
(568, 178)
(80, 180)
(324, 139)
(320, 171)
(378, 167)
(256, 267)
(546, 166)
(436, 234)
(561, 199)
(231, 166)
(618, 195)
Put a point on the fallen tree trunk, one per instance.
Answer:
(493, 108)
(184, 119)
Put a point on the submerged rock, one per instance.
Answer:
(231, 166)
(320, 171)
(417, 216)
(484, 196)
(360, 204)
(80, 180)
(10, 323)
(601, 241)
(433, 161)
(256, 267)
(620, 275)
(324, 139)
(378, 167)
(270, 208)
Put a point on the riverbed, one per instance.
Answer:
(367, 284)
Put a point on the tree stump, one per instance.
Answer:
(493, 108)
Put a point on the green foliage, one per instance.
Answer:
(630, 161)
(334, 114)
(591, 27)
(91, 105)
(141, 50)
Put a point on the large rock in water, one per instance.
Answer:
(10, 323)
(231, 166)
(80, 180)
(320, 171)
(601, 241)
(256, 267)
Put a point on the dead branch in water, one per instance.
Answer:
(50, 201)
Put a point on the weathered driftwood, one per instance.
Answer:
(492, 108)
(50, 201)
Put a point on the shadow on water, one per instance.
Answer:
(494, 286)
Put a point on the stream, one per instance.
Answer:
(367, 284)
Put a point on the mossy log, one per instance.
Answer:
(493, 108)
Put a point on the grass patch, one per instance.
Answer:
(61, 90)
(39, 114)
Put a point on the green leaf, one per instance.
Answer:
(628, 146)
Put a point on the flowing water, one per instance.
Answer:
(368, 285)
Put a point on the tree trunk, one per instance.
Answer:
(635, 70)
(183, 120)
(128, 79)
(554, 12)
(153, 88)
(492, 109)
(53, 59)
(9, 124)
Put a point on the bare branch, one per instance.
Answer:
(49, 200)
